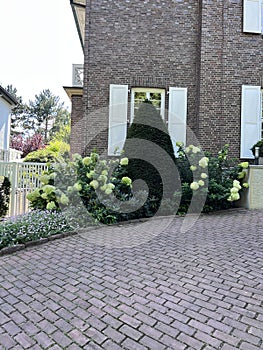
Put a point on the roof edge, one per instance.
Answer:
(73, 4)
(73, 91)
(8, 97)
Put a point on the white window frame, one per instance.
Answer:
(148, 91)
(251, 118)
(251, 24)
(118, 110)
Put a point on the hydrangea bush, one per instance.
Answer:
(101, 186)
(89, 181)
(218, 181)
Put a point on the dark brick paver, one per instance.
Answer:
(139, 286)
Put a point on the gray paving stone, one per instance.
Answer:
(197, 290)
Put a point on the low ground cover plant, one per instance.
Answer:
(33, 226)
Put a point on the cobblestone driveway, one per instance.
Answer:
(202, 289)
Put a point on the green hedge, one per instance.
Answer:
(148, 138)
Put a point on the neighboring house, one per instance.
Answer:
(7, 102)
(200, 61)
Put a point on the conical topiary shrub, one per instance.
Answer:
(150, 151)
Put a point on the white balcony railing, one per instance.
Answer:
(77, 75)
(10, 155)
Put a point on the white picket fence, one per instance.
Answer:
(24, 178)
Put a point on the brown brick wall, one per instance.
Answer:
(139, 43)
(77, 136)
(229, 58)
(160, 43)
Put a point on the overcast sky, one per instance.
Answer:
(38, 45)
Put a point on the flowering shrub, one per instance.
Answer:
(55, 151)
(30, 144)
(216, 180)
(96, 182)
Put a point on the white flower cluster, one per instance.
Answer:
(192, 148)
(234, 195)
(98, 173)
(234, 191)
(196, 184)
(202, 163)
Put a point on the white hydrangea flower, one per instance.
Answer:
(126, 180)
(244, 165)
(235, 196)
(51, 205)
(77, 186)
(192, 167)
(64, 199)
(104, 187)
(111, 186)
(94, 184)
(201, 183)
(124, 161)
(196, 149)
(76, 157)
(203, 175)
(44, 179)
(236, 184)
(90, 174)
(86, 161)
(203, 162)
(194, 186)
(102, 178)
(234, 190)
(44, 196)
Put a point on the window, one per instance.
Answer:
(156, 96)
(118, 112)
(251, 119)
(252, 16)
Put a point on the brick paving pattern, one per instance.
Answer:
(201, 290)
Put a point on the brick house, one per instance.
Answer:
(200, 61)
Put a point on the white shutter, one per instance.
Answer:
(117, 118)
(250, 119)
(252, 16)
(177, 115)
